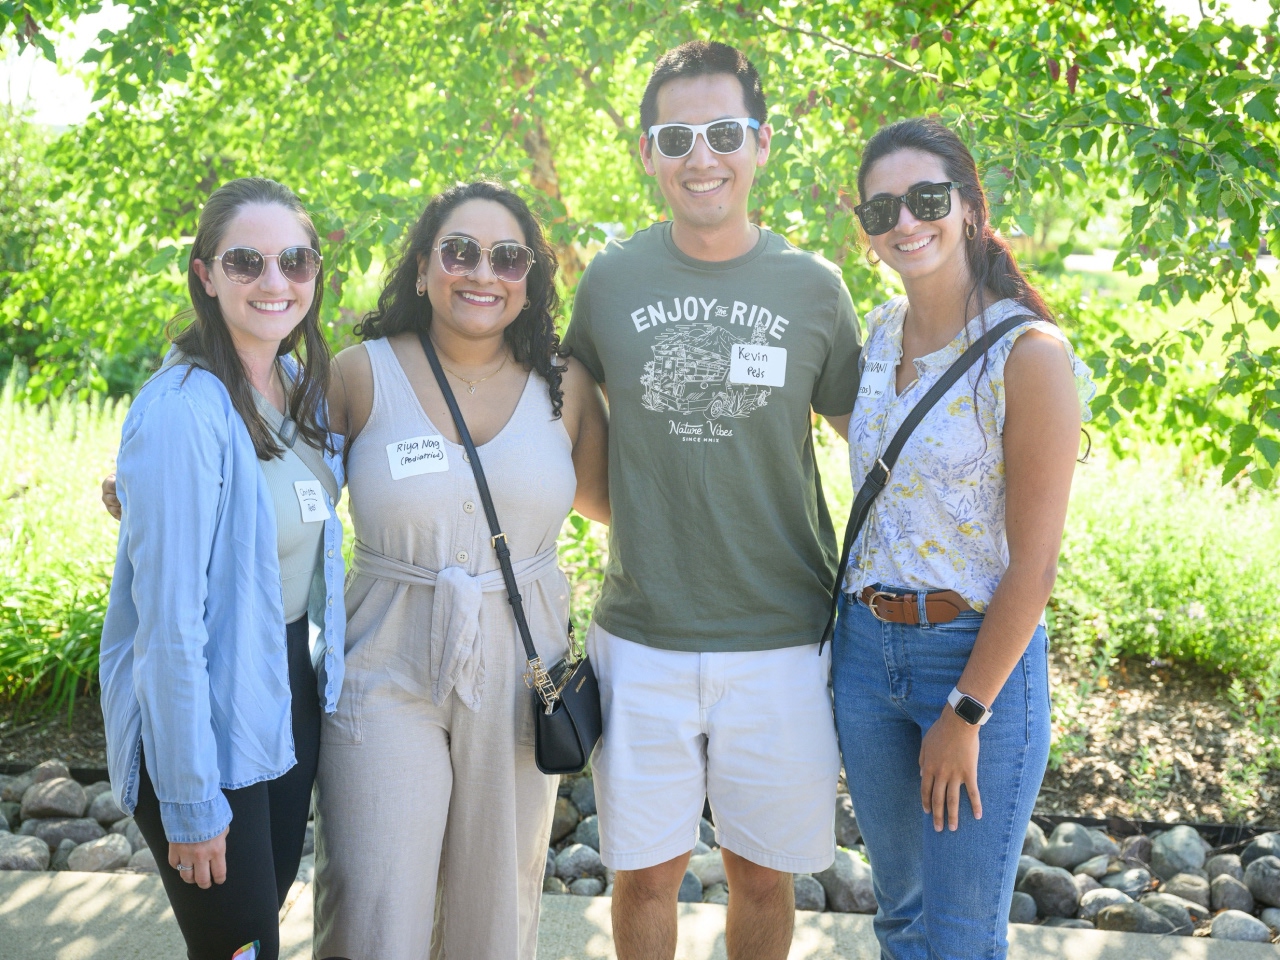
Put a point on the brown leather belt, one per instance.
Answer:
(941, 606)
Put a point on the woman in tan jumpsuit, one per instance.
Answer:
(427, 782)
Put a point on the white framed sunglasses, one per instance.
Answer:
(675, 140)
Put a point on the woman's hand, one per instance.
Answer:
(204, 863)
(109, 498)
(949, 758)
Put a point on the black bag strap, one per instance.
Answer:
(878, 476)
(537, 673)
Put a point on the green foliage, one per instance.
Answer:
(30, 19)
(1161, 566)
(366, 111)
(584, 554)
(57, 545)
(26, 221)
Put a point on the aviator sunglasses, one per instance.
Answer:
(675, 140)
(245, 264)
(928, 201)
(509, 261)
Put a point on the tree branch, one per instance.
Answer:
(857, 52)
(608, 107)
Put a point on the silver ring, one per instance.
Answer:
(183, 867)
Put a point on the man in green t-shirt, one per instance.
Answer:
(715, 340)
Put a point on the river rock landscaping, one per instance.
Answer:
(1167, 882)
(49, 821)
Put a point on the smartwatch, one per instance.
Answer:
(969, 710)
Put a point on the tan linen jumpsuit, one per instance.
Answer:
(426, 770)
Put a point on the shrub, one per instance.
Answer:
(57, 545)
(1164, 565)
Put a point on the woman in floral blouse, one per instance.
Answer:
(940, 658)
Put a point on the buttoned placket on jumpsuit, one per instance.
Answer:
(426, 770)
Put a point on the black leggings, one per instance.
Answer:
(264, 844)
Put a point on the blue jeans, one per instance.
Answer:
(940, 895)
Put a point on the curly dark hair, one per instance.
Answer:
(531, 336)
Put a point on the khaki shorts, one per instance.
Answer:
(750, 732)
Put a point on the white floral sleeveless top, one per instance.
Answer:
(940, 523)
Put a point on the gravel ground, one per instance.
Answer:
(1153, 742)
(1147, 742)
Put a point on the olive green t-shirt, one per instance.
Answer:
(720, 538)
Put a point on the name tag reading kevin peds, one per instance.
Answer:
(408, 458)
(756, 364)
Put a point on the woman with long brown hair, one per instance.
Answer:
(229, 559)
(939, 661)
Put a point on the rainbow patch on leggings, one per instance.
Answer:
(248, 952)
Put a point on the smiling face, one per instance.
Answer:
(918, 248)
(705, 189)
(479, 305)
(259, 314)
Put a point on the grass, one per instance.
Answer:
(58, 545)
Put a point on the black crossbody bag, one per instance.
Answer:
(566, 698)
(878, 476)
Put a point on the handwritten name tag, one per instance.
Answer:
(875, 378)
(311, 500)
(764, 366)
(408, 458)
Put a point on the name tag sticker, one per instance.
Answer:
(311, 498)
(408, 458)
(875, 378)
(757, 364)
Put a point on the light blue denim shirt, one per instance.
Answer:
(193, 663)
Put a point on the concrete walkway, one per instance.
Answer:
(89, 916)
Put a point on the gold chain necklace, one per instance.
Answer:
(472, 384)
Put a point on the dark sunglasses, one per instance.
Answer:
(675, 140)
(245, 264)
(929, 201)
(509, 261)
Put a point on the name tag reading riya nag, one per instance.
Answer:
(408, 458)
(760, 365)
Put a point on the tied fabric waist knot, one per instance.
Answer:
(454, 656)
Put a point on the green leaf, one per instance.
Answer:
(1269, 447)
(1191, 56)
(41, 41)
(1242, 435)
(1261, 107)
(161, 261)
(1233, 466)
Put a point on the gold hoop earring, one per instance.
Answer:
(421, 286)
(970, 230)
(527, 303)
(872, 258)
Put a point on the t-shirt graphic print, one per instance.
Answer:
(719, 539)
(706, 371)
